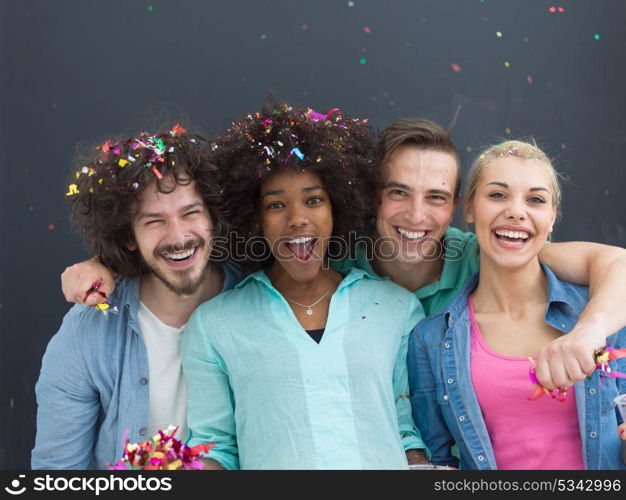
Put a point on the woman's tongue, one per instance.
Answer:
(302, 251)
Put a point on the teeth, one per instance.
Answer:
(182, 255)
(513, 234)
(410, 234)
(301, 239)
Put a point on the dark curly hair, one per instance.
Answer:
(339, 149)
(103, 192)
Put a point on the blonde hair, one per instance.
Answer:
(523, 150)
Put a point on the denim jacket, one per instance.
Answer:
(93, 384)
(445, 406)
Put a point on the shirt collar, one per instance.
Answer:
(355, 274)
(559, 297)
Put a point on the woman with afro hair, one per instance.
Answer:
(299, 366)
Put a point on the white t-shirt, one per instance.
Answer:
(168, 390)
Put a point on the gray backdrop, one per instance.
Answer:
(75, 71)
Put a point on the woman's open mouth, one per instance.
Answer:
(507, 238)
(302, 248)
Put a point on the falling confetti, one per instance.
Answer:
(305, 26)
(596, 36)
(367, 30)
(499, 34)
(529, 79)
(392, 103)
(455, 67)
(507, 64)
(150, 8)
(51, 227)
(525, 38)
(350, 4)
(552, 9)
(31, 208)
(508, 131)
(468, 149)
(362, 60)
(263, 37)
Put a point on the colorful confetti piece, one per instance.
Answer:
(51, 227)
(455, 67)
(529, 79)
(507, 64)
(367, 30)
(362, 60)
(596, 36)
(499, 34)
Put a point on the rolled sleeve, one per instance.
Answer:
(210, 402)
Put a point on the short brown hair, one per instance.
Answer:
(104, 189)
(421, 133)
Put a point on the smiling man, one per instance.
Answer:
(417, 248)
(150, 209)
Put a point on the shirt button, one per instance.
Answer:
(563, 325)
(462, 418)
(143, 431)
(143, 381)
(592, 391)
(446, 397)
(480, 458)
(450, 381)
(447, 346)
(592, 434)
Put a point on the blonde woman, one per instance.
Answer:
(468, 364)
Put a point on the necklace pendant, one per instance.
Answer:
(309, 311)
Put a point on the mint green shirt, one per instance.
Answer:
(461, 260)
(270, 397)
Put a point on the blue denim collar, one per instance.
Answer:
(559, 299)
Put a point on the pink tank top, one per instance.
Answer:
(531, 435)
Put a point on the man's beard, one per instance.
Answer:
(185, 285)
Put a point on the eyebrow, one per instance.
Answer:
(505, 185)
(307, 189)
(394, 184)
(439, 191)
(406, 187)
(151, 215)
